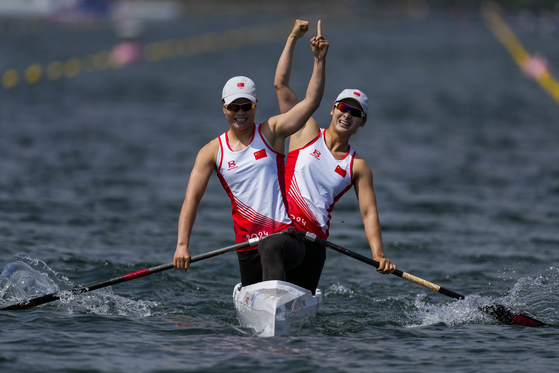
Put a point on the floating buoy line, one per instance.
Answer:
(151, 52)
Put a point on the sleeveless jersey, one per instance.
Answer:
(254, 181)
(315, 181)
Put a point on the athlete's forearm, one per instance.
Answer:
(285, 63)
(315, 89)
(286, 96)
(186, 222)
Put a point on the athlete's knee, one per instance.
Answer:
(293, 252)
(271, 246)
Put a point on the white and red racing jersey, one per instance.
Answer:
(315, 181)
(254, 181)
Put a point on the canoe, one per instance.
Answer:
(275, 308)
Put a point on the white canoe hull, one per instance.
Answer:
(273, 308)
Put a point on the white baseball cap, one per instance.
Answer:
(237, 87)
(356, 95)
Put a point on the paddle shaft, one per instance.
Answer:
(130, 276)
(416, 280)
(498, 311)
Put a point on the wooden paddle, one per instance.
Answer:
(130, 276)
(500, 312)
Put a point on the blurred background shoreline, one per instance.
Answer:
(140, 28)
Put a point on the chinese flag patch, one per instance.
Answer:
(340, 171)
(260, 154)
(240, 85)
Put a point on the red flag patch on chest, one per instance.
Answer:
(260, 154)
(340, 171)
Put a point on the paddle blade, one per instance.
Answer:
(506, 316)
(20, 306)
(32, 303)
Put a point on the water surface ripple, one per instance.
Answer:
(464, 153)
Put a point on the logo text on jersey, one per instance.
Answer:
(231, 165)
(316, 154)
(260, 234)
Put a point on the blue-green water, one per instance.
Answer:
(464, 152)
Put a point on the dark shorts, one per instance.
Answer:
(297, 261)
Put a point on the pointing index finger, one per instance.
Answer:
(319, 30)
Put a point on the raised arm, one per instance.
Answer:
(286, 96)
(278, 128)
(199, 177)
(363, 183)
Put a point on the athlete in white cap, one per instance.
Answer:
(322, 166)
(249, 161)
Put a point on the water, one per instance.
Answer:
(464, 153)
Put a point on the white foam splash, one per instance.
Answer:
(466, 311)
(538, 295)
(25, 278)
(533, 296)
(104, 302)
(19, 281)
(339, 289)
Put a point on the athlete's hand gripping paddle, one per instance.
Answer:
(131, 276)
(498, 311)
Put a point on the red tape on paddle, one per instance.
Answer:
(133, 275)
